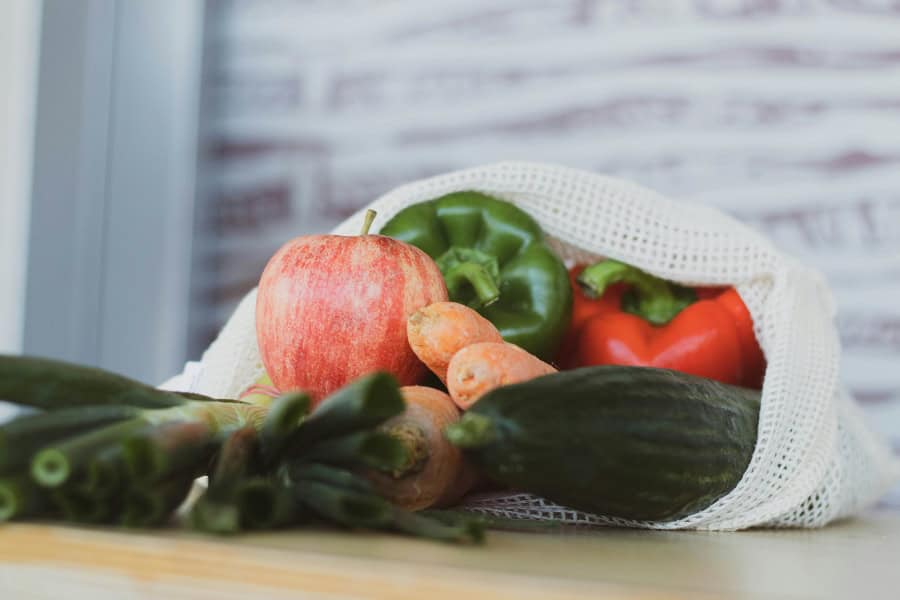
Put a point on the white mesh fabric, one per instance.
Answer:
(814, 461)
(232, 362)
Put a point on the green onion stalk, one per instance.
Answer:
(217, 511)
(20, 497)
(154, 506)
(150, 446)
(50, 385)
(23, 437)
(105, 449)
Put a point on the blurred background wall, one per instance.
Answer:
(19, 32)
(177, 144)
(112, 187)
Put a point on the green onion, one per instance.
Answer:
(264, 505)
(160, 451)
(55, 464)
(52, 385)
(83, 508)
(236, 460)
(154, 444)
(496, 522)
(345, 507)
(102, 475)
(217, 511)
(221, 416)
(195, 397)
(362, 404)
(20, 497)
(285, 414)
(108, 449)
(148, 507)
(370, 448)
(214, 516)
(446, 528)
(298, 473)
(21, 438)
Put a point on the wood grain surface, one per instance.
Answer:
(850, 559)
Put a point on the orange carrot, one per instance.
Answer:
(434, 466)
(466, 481)
(438, 331)
(479, 368)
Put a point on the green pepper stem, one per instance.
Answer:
(657, 301)
(486, 290)
(471, 431)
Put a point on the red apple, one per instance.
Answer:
(331, 308)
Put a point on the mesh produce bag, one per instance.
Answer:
(815, 459)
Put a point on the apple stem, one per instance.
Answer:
(367, 223)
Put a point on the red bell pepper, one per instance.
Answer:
(624, 316)
(584, 308)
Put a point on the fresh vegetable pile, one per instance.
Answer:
(598, 387)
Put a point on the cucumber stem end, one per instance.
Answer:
(471, 431)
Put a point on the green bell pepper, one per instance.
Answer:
(494, 258)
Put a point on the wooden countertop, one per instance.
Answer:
(858, 558)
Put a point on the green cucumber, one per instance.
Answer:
(635, 443)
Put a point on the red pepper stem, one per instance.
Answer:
(483, 284)
(656, 301)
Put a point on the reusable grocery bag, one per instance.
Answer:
(815, 459)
